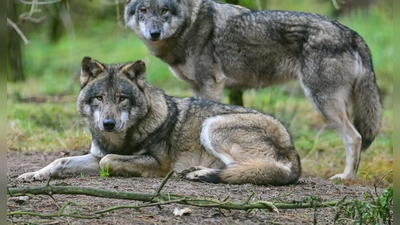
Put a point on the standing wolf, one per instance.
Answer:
(212, 45)
(137, 130)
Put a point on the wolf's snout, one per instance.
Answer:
(109, 124)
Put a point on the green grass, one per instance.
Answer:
(105, 172)
(376, 211)
(54, 125)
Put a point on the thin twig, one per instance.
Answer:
(48, 181)
(52, 215)
(248, 199)
(166, 178)
(40, 3)
(380, 181)
(336, 4)
(28, 17)
(20, 33)
(283, 195)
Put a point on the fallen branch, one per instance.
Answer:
(158, 198)
(163, 199)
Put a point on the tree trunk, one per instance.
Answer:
(14, 55)
(236, 97)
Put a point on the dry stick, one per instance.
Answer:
(166, 178)
(376, 185)
(60, 213)
(20, 33)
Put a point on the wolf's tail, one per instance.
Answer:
(367, 107)
(262, 172)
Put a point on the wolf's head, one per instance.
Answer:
(154, 20)
(111, 97)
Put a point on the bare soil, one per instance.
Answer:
(20, 162)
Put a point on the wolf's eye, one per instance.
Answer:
(121, 98)
(100, 98)
(164, 10)
(142, 10)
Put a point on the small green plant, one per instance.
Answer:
(105, 172)
(379, 211)
(82, 175)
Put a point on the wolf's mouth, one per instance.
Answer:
(154, 39)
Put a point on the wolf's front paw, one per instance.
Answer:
(32, 176)
(107, 162)
(342, 176)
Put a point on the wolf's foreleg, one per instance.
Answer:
(211, 83)
(85, 164)
(135, 165)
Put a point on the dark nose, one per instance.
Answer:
(109, 124)
(155, 34)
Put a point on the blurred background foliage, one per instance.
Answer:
(48, 39)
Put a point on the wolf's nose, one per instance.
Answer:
(109, 124)
(155, 34)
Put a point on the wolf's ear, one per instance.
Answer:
(89, 70)
(136, 72)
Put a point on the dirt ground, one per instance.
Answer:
(18, 163)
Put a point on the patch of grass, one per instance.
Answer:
(105, 172)
(377, 211)
(45, 127)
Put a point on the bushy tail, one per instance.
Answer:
(262, 172)
(367, 106)
(367, 110)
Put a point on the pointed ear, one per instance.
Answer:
(136, 72)
(89, 70)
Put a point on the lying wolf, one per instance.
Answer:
(137, 130)
(212, 45)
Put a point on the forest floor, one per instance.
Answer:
(303, 191)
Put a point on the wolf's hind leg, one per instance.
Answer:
(352, 142)
(201, 173)
(255, 148)
(336, 116)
